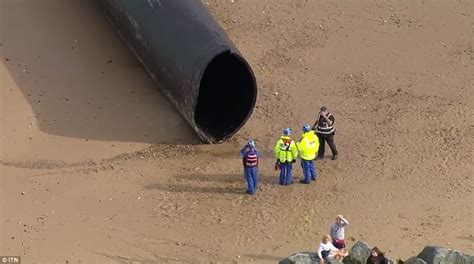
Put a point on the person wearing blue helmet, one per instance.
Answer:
(308, 148)
(250, 156)
(286, 154)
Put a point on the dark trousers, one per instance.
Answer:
(322, 145)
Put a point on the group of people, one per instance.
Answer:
(333, 246)
(309, 148)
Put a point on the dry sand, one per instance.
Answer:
(91, 171)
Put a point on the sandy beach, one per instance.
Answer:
(96, 166)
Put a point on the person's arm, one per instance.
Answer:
(333, 248)
(320, 249)
(299, 146)
(277, 150)
(344, 221)
(330, 122)
(294, 150)
(315, 126)
(242, 151)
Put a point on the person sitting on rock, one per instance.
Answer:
(327, 251)
(377, 257)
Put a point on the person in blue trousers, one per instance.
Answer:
(250, 157)
(308, 149)
(286, 153)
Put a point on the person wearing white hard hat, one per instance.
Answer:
(250, 161)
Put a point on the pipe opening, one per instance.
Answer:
(227, 95)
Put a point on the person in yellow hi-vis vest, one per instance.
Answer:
(286, 153)
(308, 149)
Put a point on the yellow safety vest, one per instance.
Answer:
(285, 149)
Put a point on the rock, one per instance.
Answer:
(439, 255)
(301, 258)
(415, 260)
(305, 258)
(358, 254)
(455, 256)
(433, 254)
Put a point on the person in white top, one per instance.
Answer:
(327, 250)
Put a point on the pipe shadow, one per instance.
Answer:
(80, 79)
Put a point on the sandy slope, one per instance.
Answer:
(78, 115)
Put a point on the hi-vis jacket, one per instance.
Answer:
(286, 150)
(308, 146)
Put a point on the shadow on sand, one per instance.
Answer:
(209, 183)
(80, 79)
(224, 178)
(263, 257)
(178, 188)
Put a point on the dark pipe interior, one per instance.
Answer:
(227, 95)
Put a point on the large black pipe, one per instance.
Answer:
(191, 59)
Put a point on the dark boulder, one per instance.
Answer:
(415, 260)
(305, 258)
(439, 255)
(358, 254)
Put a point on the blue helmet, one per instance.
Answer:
(287, 131)
(251, 143)
(306, 128)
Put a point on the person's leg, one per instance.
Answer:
(339, 244)
(250, 184)
(313, 171)
(332, 145)
(322, 146)
(255, 177)
(306, 172)
(282, 173)
(341, 254)
(289, 173)
(343, 246)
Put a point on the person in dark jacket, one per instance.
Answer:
(377, 257)
(324, 127)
